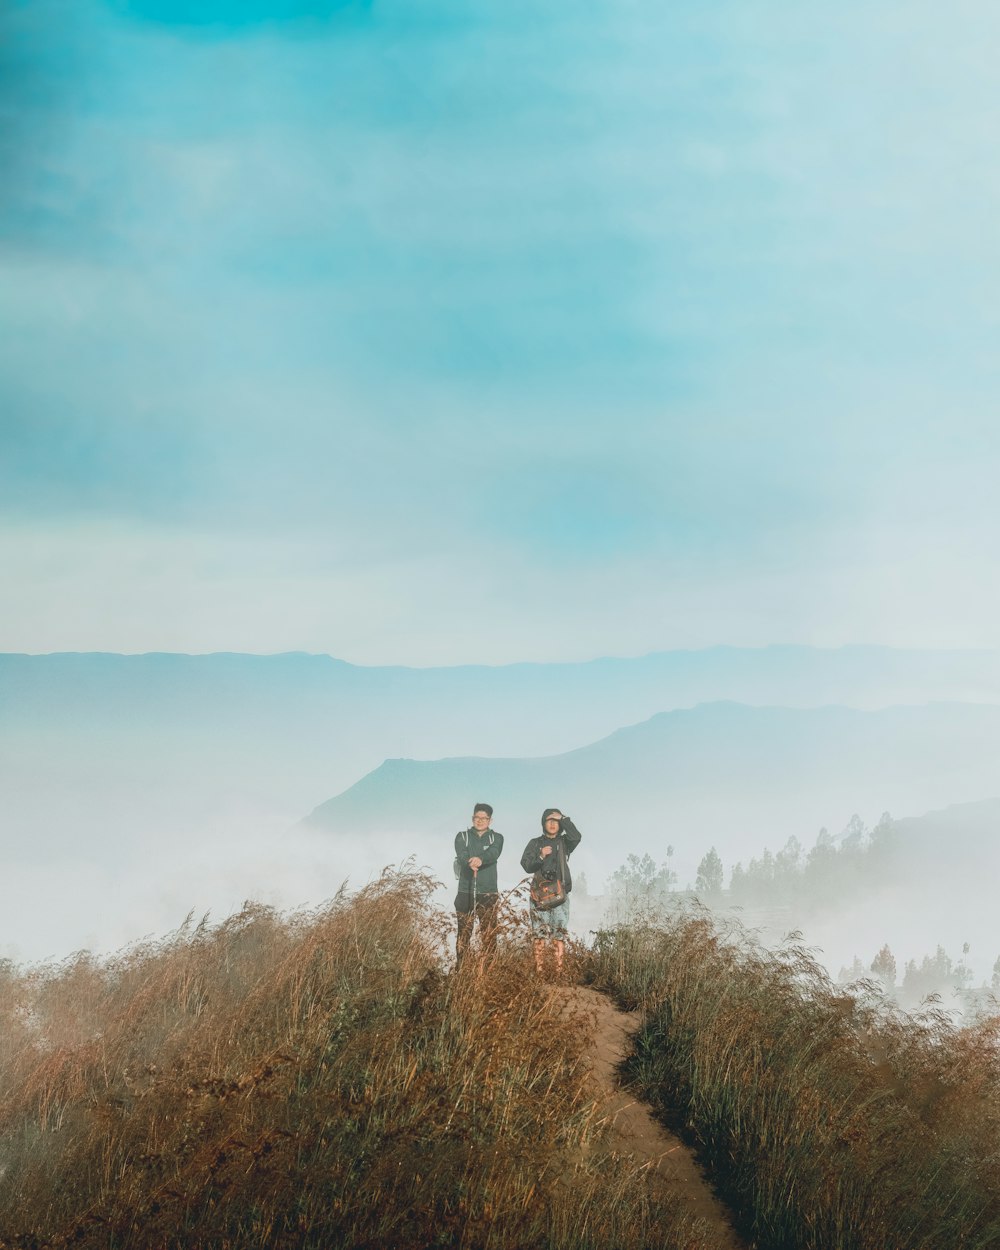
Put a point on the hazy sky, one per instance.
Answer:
(435, 331)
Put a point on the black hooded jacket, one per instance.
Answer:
(568, 836)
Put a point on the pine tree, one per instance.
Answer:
(710, 875)
(640, 878)
(884, 967)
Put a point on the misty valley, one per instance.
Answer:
(808, 980)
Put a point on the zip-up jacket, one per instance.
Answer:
(533, 861)
(470, 844)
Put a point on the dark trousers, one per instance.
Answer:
(486, 913)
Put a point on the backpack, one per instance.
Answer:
(459, 864)
(547, 891)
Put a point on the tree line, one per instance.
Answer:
(858, 863)
(860, 859)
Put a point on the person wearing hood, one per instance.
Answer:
(547, 857)
(477, 850)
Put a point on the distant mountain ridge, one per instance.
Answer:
(523, 709)
(103, 742)
(108, 760)
(964, 838)
(722, 774)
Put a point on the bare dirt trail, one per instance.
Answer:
(670, 1166)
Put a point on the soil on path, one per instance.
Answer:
(671, 1169)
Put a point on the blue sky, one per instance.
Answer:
(439, 332)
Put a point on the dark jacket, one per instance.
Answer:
(470, 844)
(533, 861)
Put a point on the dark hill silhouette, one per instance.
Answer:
(723, 773)
(111, 746)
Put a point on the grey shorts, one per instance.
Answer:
(551, 924)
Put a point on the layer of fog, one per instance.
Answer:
(58, 898)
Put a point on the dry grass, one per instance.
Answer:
(311, 1080)
(831, 1120)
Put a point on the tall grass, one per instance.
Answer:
(831, 1120)
(312, 1080)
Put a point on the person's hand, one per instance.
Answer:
(563, 822)
(475, 863)
(545, 850)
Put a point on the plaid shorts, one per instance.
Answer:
(550, 924)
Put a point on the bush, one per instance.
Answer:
(831, 1121)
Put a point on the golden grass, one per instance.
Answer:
(311, 1080)
(830, 1120)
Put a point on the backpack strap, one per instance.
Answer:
(465, 834)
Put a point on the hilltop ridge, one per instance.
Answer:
(723, 774)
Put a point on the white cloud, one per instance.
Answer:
(105, 587)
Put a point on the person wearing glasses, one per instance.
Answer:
(477, 850)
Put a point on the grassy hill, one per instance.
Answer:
(322, 1079)
(315, 1080)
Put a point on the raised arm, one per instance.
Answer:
(571, 834)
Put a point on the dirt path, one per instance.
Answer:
(670, 1166)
